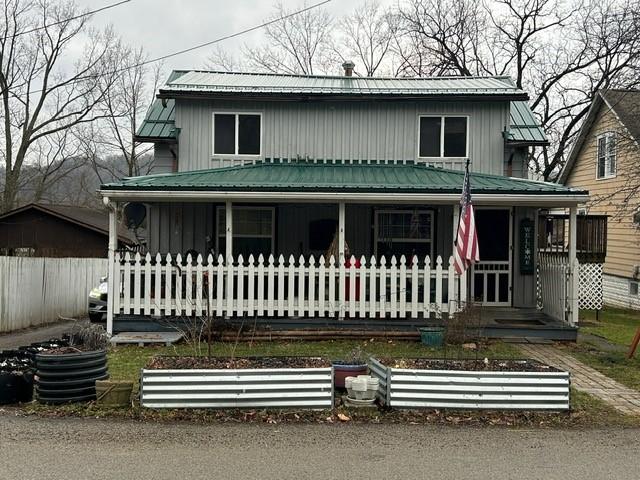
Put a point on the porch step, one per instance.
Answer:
(270, 328)
(145, 338)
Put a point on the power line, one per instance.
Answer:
(91, 12)
(226, 37)
(206, 44)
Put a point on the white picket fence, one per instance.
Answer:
(164, 286)
(34, 291)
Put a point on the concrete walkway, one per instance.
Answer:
(587, 379)
(35, 334)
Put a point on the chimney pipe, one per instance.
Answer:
(348, 68)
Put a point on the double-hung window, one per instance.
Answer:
(253, 231)
(443, 136)
(606, 152)
(404, 232)
(237, 133)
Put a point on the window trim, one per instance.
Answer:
(606, 176)
(237, 114)
(376, 229)
(236, 235)
(442, 123)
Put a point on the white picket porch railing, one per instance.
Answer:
(168, 286)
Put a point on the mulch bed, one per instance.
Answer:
(224, 363)
(480, 365)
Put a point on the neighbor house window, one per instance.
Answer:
(606, 155)
(237, 133)
(252, 231)
(443, 136)
(404, 232)
(633, 289)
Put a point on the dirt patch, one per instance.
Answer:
(237, 363)
(480, 365)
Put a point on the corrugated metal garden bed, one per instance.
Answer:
(471, 384)
(249, 382)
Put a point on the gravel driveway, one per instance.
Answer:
(36, 448)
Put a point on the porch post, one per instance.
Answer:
(228, 229)
(573, 290)
(111, 249)
(341, 220)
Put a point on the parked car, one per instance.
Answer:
(98, 302)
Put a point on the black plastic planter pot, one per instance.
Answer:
(69, 377)
(16, 377)
(16, 387)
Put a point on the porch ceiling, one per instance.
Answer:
(339, 180)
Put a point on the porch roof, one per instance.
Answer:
(337, 178)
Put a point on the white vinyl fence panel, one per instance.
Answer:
(303, 287)
(34, 291)
(554, 285)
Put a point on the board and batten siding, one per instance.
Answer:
(623, 238)
(342, 130)
(178, 227)
(163, 158)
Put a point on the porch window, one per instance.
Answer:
(237, 133)
(606, 155)
(404, 232)
(443, 136)
(252, 231)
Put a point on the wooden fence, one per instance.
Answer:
(35, 290)
(167, 286)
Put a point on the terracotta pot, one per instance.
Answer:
(342, 371)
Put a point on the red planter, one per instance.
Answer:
(342, 371)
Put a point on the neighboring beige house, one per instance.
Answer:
(606, 161)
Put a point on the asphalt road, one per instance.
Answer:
(35, 448)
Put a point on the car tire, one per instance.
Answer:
(95, 317)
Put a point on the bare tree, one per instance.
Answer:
(301, 44)
(124, 106)
(40, 94)
(561, 52)
(441, 37)
(221, 60)
(366, 37)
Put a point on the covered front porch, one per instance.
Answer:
(334, 243)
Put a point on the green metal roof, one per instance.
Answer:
(159, 122)
(524, 127)
(335, 177)
(265, 84)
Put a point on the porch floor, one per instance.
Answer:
(496, 323)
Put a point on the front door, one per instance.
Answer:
(491, 276)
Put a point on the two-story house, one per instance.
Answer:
(333, 197)
(606, 160)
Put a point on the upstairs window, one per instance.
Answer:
(237, 133)
(606, 144)
(443, 136)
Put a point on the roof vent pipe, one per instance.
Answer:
(348, 68)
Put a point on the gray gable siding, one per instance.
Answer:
(342, 130)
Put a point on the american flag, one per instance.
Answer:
(466, 251)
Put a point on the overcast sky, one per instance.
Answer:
(164, 26)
